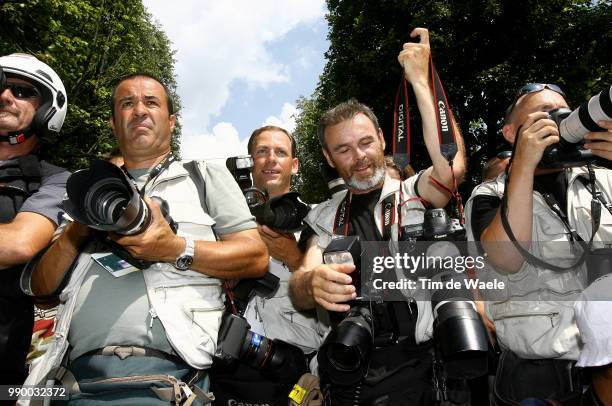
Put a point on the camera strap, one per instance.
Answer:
(155, 172)
(598, 195)
(343, 216)
(532, 259)
(446, 130)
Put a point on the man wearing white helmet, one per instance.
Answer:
(32, 107)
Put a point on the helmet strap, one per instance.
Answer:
(17, 137)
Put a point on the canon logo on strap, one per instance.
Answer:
(443, 120)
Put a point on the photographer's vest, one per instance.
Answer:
(537, 319)
(323, 218)
(19, 179)
(281, 320)
(189, 304)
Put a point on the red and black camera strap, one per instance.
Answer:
(387, 214)
(445, 125)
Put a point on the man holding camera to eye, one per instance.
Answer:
(535, 243)
(398, 372)
(32, 107)
(161, 320)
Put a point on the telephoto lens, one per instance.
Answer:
(579, 122)
(458, 330)
(274, 358)
(104, 199)
(335, 183)
(345, 354)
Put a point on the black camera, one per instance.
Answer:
(573, 126)
(436, 226)
(103, 198)
(284, 213)
(459, 333)
(275, 359)
(344, 355)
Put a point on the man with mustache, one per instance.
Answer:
(353, 144)
(32, 107)
(157, 325)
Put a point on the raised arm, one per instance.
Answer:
(414, 58)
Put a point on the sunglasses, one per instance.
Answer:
(21, 91)
(533, 88)
(504, 154)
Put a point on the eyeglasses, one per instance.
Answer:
(21, 91)
(533, 88)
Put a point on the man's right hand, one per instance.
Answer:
(535, 135)
(330, 286)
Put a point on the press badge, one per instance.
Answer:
(114, 264)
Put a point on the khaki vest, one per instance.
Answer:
(536, 320)
(188, 303)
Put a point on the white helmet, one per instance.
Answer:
(50, 115)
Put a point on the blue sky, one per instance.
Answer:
(241, 64)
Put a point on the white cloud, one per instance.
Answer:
(286, 119)
(223, 142)
(220, 42)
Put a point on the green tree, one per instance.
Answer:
(483, 49)
(90, 44)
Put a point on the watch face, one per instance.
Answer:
(184, 262)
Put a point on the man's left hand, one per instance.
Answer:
(157, 243)
(600, 142)
(281, 246)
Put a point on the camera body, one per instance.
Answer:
(459, 333)
(284, 213)
(436, 226)
(345, 353)
(275, 359)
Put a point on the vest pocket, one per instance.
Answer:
(205, 321)
(530, 330)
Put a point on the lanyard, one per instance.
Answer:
(401, 121)
(343, 215)
(446, 131)
(155, 172)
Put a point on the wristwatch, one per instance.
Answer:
(185, 260)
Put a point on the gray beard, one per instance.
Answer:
(363, 185)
